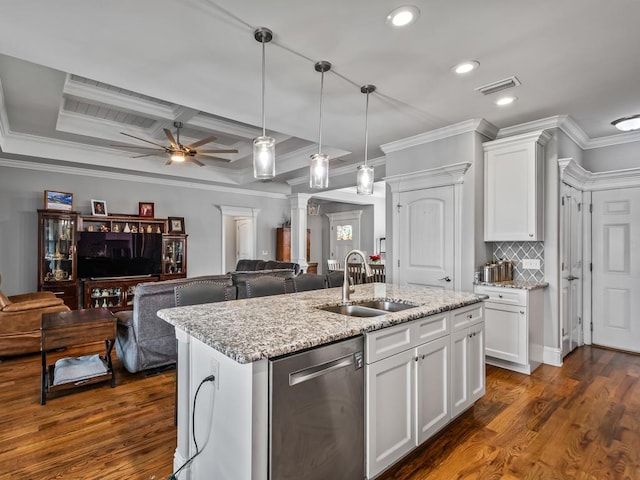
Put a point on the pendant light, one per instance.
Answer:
(364, 179)
(264, 148)
(319, 169)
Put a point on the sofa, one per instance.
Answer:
(247, 265)
(21, 318)
(144, 340)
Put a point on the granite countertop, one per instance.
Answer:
(521, 284)
(253, 329)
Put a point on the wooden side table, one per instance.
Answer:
(77, 327)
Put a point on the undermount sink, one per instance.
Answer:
(368, 308)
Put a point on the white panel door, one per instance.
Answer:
(426, 237)
(571, 268)
(244, 239)
(344, 231)
(616, 268)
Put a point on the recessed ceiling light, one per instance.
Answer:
(627, 124)
(403, 16)
(504, 101)
(466, 67)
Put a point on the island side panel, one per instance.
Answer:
(231, 415)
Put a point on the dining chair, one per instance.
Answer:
(333, 265)
(378, 273)
(356, 272)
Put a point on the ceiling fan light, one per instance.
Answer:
(364, 180)
(319, 171)
(626, 124)
(264, 157)
(177, 157)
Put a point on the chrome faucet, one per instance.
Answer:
(347, 286)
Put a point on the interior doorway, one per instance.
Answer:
(238, 235)
(344, 233)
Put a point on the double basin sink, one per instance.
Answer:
(369, 308)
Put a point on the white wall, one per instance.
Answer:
(21, 194)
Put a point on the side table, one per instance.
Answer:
(77, 327)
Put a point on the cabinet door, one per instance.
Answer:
(506, 330)
(476, 366)
(390, 411)
(459, 371)
(513, 190)
(432, 388)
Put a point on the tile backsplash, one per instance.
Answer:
(518, 251)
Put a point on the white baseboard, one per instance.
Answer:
(552, 356)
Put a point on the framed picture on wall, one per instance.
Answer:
(176, 224)
(383, 245)
(145, 209)
(54, 200)
(98, 208)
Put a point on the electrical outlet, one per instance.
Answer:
(215, 371)
(265, 252)
(531, 264)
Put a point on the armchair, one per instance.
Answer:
(21, 318)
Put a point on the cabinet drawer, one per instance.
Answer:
(465, 316)
(388, 341)
(510, 296)
(430, 328)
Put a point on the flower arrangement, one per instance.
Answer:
(375, 258)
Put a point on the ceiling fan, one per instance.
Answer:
(179, 152)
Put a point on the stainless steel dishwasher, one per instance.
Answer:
(316, 413)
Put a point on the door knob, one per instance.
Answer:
(571, 277)
(446, 279)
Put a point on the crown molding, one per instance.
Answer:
(576, 176)
(538, 136)
(612, 140)
(433, 177)
(102, 174)
(4, 119)
(479, 125)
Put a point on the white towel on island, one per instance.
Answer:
(75, 369)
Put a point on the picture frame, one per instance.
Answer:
(98, 208)
(176, 224)
(146, 209)
(54, 200)
(383, 245)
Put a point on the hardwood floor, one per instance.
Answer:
(581, 421)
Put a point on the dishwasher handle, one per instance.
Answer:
(310, 373)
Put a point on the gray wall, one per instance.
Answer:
(21, 194)
(616, 157)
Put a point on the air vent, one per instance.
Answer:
(498, 86)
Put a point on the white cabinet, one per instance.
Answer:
(408, 371)
(513, 327)
(390, 411)
(513, 187)
(467, 366)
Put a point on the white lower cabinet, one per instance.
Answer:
(409, 392)
(467, 367)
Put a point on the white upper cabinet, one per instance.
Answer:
(513, 188)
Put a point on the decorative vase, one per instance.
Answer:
(126, 228)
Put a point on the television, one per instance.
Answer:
(119, 254)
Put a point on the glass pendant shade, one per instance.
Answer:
(264, 157)
(319, 171)
(364, 180)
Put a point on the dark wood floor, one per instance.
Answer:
(581, 421)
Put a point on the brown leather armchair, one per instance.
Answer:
(20, 320)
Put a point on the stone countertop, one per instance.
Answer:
(253, 329)
(520, 284)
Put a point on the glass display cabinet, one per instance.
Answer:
(57, 269)
(174, 256)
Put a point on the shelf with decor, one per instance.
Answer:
(174, 256)
(57, 270)
(122, 224)
(113, 293)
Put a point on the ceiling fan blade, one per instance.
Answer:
(208, 139)
(210, 157)
(197, 162)
(145, 155)
(232, 150)
(169, 162)
(138, 148)
(143, 140)
(170, 137)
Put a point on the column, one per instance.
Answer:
(298, 203)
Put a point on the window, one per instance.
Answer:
(344, 232)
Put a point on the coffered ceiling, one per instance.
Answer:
(76, 74)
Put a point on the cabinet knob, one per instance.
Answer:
(423, 356)
(531, 235)
(499, 295)
(417, 358)
(522, 312)
(470, 316)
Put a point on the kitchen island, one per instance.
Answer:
(234, 341)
